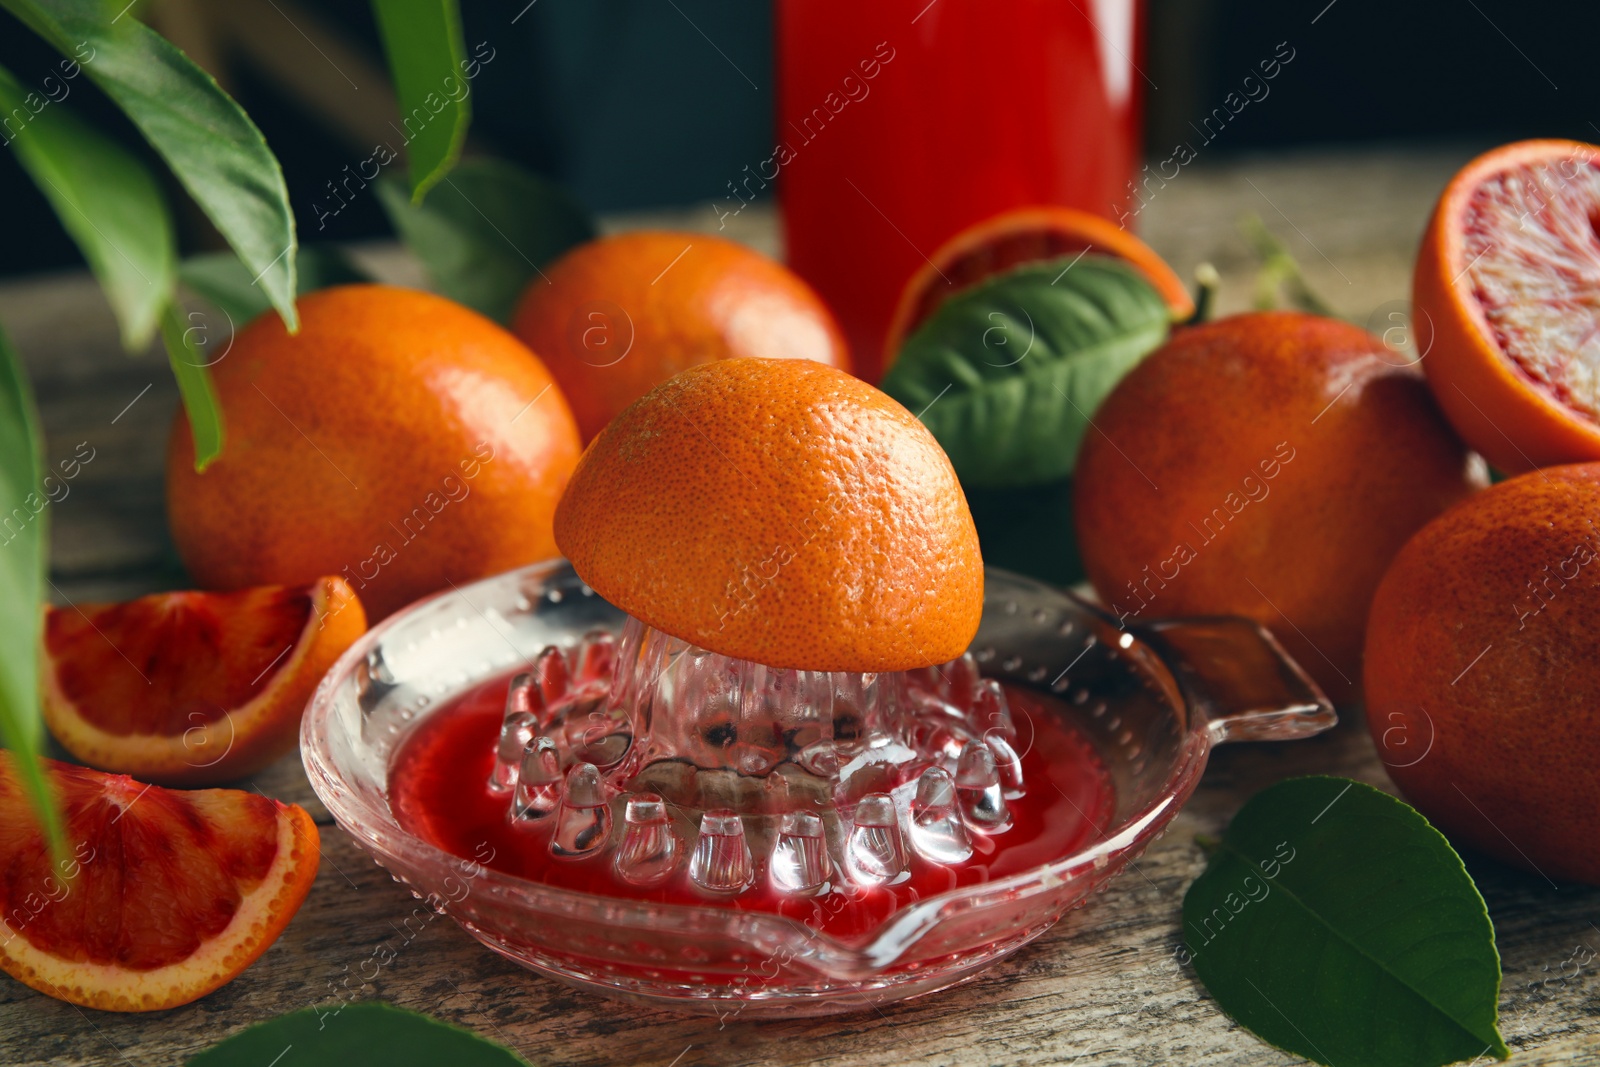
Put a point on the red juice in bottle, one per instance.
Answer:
(902, 122)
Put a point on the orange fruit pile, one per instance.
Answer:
(192, 688)
(1480, 682)
(1267, 465)
(1507, 284)
(778, 511)
(162, 897)
(399, 440)
(615, 317)
(1011, 239)
(1483, 692)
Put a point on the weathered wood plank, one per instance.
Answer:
(1103, 987)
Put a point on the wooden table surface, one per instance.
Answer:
(1102, 988)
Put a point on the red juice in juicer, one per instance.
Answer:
(902, 122)
(896, 834)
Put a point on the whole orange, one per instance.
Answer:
(1507, 299)
(779, 511)
(1483, 689)
(1267, 465)
(399, 440)
(616, 317)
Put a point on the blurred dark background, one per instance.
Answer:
(649, 103)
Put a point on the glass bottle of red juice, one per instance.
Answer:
(901, 122)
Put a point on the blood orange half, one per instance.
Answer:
(164, 896)
(192, 688)
(1508, 280)
(1011, 239)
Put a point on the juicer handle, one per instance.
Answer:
(1236, 674)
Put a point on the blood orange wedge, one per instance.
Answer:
(163, 897)
(192, 688)
(1010, 239)
(1508, 281)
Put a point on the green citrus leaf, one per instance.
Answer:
(190, 366)
(365, 1032)
(422, 39)
(207, 140)
(1335, 923)
(222, 280)
(486, 231)
(106, 199)
(1008, 373)
(23, 529)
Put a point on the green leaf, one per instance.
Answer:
(487, 230)
(190, 367)
(213, 148)
(105, 198)
(422, 39)
(1279, 272)
(364, 1032)
(23, 527)
(220, 278)
(1008, 373)
(1336, 924)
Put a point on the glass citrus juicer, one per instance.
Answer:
(633, 813)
